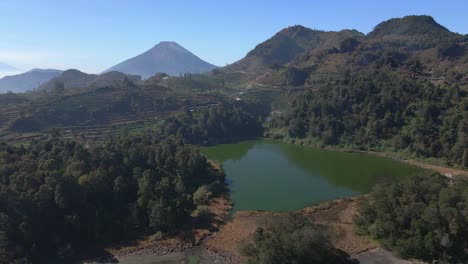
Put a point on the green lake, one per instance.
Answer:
(275, 176)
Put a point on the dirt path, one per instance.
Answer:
(381, 256)
(438, 168)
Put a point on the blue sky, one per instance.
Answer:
(94, 35)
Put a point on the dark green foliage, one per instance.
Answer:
(291, 240)
(216, 124)
(295, 77)
(423, 217)
(450, 48)
(410, 25)
(383, 109)
(465, 159)
(10, 98)
(349, 44)
(57, 196)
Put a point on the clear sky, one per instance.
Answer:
(94, 35)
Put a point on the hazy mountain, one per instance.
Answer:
(27, 81)
(288, 44)
(167, 57)
(6, 70)
(71, 79)
(6, 67)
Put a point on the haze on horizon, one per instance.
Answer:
(93, 36)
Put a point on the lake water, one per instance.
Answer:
(275, 176)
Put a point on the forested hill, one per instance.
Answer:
(58, 197)
(383, 110)
(286, 45)
(416, 46)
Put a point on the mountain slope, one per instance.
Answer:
(409, 25)
(72, 79)
(286, 45)
(27, 81)
(167, 57)
(416, 46)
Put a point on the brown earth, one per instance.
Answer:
(336, 216)
(447, 171)
(219, 207)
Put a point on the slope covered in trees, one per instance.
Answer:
(417, 46)
(220, 124)
(57, 196)
(382, 109)
(286, 45)
(424, 217)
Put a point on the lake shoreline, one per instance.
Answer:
(222, 246)
(172, 248)
(235, 227)
(336, 216)
(443, 170)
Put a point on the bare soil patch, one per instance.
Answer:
(336, 216)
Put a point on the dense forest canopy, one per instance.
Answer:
(57, 196)
(383, 110)
(214, 125)
(424, 217)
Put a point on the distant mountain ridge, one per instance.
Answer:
(286, 45)
(166, 57)
(416, 46)
(72, 79)
(27, 81)
(6, 67)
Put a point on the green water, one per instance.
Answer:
(274, 176)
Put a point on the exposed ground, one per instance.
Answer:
(336, 216)
(440, 169)
(172, 249)
(447, 171)
(381, 256)
(220, 241)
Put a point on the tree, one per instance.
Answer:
(292, 239)
(202, 195)
(107, 192)
(422, 217)
(349, 44)
(465, 159)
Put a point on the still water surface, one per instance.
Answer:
(275, 176)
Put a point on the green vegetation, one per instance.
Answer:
(215, 124)
(400, 88)
(101, 106)
(383, 110)
(399, 43)
(58, 196)
(292, 239)
(424, 217)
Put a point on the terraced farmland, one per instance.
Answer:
(97, 113)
